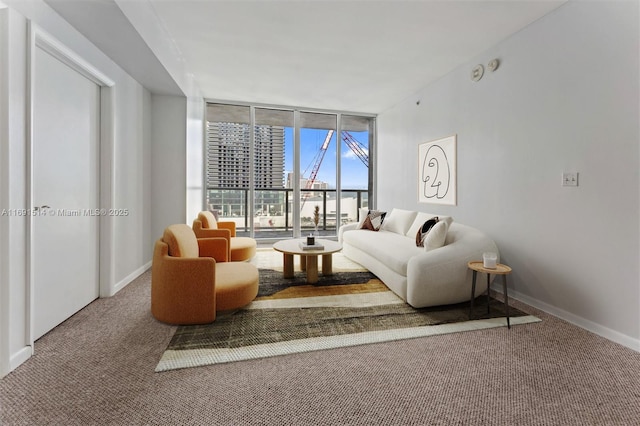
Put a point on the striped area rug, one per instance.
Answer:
(351, 307)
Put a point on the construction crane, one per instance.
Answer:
(316, 167)
(356, 147)
(353, 144)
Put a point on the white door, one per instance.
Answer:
(65, 154)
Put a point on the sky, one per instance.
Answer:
(354, 172)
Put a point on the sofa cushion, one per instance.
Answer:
(236, 285)
(374, 220)
(399, 221)
(389, 248)
(424, 230)
(421, 218)
(242, 248)
(436, 236)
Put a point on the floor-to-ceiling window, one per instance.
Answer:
(317, 173)
(273, 141)
(356, 177)
(293, 170)
(227, 171)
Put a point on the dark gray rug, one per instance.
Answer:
(344, 309)
(271, 281)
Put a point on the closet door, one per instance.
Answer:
(65, 190)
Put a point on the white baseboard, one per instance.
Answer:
(588, 325)
(25, 353)
(19, 357)
(129, 278)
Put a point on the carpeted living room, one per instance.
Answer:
(434, 156)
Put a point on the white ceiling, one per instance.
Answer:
(360, 56)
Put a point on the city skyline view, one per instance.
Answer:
(228, 156)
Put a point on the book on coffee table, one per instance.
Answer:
(316, 246)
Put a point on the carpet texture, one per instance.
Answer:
(97, 368)
(350, 307)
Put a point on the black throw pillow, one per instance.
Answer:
(424, 230)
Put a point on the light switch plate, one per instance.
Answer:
(569, 179)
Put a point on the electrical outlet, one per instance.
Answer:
(569, 179)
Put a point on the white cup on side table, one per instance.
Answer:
(489, 260)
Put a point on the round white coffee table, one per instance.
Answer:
(308, 258)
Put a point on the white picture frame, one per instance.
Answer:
(437, 171)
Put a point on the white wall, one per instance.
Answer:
(132, 144)
(143, 17)
(176, 161)
(133, 182)
(4, 226)
(565, 98)
(168, 162)
(12, 192)
(195, 157)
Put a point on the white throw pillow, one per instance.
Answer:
(421, 218)
(436, 236)
(399, 221)
(363, 212)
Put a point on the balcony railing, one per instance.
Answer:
(273, 209)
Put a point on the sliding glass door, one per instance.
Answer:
(273, 143)
(282, 173)
(227, 163)
(356, 176)
(317, 173)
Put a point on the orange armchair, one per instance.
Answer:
(240, 248)
(191, 278)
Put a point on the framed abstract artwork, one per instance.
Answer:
(437, 171)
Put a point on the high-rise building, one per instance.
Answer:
(228, 156)
(306, 183)
(269, 157)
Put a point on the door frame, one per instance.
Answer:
(39, 39)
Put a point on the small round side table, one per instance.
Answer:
(500, 269)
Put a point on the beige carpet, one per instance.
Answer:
(348, 308)
(97, 368)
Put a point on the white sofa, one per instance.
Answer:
(437, 276)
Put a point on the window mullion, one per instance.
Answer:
(296, 174)
(252, 172)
